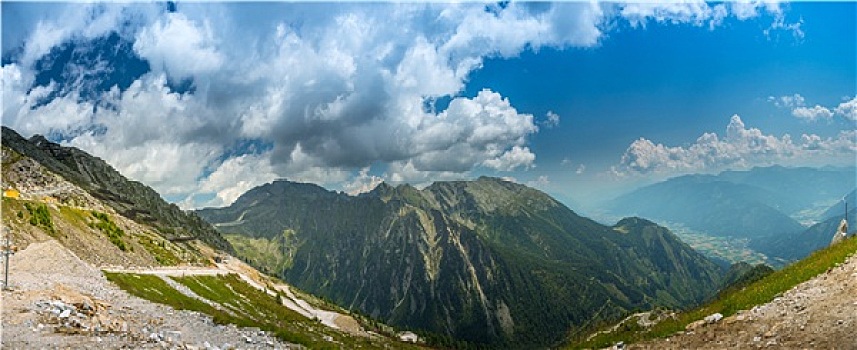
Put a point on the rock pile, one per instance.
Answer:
(71, 312)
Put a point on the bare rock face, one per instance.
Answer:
(841, 232)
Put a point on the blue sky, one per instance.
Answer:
(203, 101)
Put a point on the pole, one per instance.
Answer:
(7, 250)
(6, 265)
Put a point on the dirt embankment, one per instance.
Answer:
(60, 301)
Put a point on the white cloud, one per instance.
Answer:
(792, 101)
(847, 109)
(362, 183)
(234, 177)
(541, 182)
(332, 89)
(694, 12)
(514, 158)
(180, 46)
(812, 113)
(580, 169)
(742, 147)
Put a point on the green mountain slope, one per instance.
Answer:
(486, 261)
(757, 286)
(131, 199)
(817, 236)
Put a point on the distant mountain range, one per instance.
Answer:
(707, 203)
(758, 204)
(486, 261)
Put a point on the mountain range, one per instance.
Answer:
(485, 261)
(762, 205)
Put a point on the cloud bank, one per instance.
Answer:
(741, 148)
(239, 94)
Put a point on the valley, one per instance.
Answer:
(403, 175)
(765, 214)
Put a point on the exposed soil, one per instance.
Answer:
(818, 314)
(100, 314)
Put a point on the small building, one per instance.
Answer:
(11, 193)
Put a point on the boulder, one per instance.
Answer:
(713, 318)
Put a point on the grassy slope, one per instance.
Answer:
(81, 230)
(248, 306)
(266, 254)
(728, 303)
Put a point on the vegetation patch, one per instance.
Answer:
(153, 288)
(40, 217)
(108, 227)
(249, 307)
(160, 250)
(734, 299)
(269, 255)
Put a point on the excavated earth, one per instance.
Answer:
(59, 301)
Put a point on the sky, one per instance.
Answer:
(584, 100)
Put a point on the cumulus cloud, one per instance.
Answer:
(235, 176)
(812, 113)
(694, 12)
(742, 147)
(180, 46)
(336, 91)
(847, 109)
(797, 104)
(362, 183)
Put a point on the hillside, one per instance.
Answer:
(486, 261)
(798, 188)
(49, 207)
(817, 236)
(131, 199)
(808, 304)
(162, 290)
